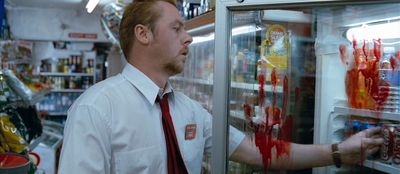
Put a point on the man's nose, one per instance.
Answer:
(188, 39)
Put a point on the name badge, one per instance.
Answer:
(190, 131)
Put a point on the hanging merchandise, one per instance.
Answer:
(11, 138)
(26, 93)
(31, 120)
(110, 20)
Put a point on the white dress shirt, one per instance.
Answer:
(115, 127)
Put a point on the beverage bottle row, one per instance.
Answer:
(72, 64)
(57, 102)
(72, 82)
(389, 73)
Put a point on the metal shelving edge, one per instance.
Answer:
(239, 85)
(381, 166)
(367, 113)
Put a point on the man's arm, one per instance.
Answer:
(86, 146)
(352, 151)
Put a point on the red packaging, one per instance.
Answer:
(388, 134)
(396, 148)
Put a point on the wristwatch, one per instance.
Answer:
(336, 155)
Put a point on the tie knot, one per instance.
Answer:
(164, 97)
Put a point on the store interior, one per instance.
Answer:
(52, 51)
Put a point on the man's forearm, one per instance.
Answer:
(299, 156)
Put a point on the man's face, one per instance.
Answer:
(171, 40)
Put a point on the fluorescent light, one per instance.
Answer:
(91, 5)
(388, 30)
(236, 31)
(287, 16)
(200, 39)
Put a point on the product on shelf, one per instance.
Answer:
(27, 89)
(57, 102)
(14, 50)
(356, 124)
(386, 151)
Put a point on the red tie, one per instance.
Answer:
(175, 160)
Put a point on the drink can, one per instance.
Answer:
(396, 148)
(386, 150)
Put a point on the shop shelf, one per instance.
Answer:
(381, 166)
(64, 74)
(238, 114)
(367, 113)
(239, 85)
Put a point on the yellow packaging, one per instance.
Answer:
(275, 48)
(11, 138)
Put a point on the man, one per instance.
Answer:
(123, 124)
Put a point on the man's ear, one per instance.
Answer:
(143, 34)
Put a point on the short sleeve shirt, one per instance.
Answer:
(115, 127)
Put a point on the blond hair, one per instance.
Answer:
(138, 12)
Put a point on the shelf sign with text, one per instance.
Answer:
(82, 35)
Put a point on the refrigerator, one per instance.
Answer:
(309, 72)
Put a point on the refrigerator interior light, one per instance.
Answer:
(389, 30)
(236, 31)
(287, 16)
(91, 5)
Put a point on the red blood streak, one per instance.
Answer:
(363, 81)
(265, 142)
(377, 49)
(261, 82)
(285, 94)
(286, 129)
(365, 50)
(265, 138)
(393, 63)
(274, 78)
(276, 115)
(343, 54)
(247, 110)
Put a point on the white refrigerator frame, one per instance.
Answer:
(323, 103)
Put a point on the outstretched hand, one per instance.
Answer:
(358, 147)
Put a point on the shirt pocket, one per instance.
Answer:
(144, 160)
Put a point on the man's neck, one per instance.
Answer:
(158, 77)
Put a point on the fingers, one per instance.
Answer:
(371, 151)
(370, 142)
(372, 131)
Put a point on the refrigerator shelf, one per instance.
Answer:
(237, 114)
(239, 85)
(192, 80)
(381, 166)
(367, 113)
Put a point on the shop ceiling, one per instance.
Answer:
(53, 3)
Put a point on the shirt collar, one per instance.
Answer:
(143, 83)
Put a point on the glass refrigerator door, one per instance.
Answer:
(309, 73)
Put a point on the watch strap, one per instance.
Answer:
(336, 155)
